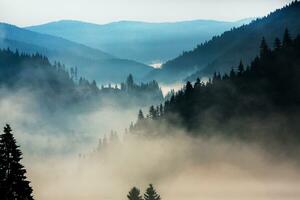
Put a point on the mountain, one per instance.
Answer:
(54, 87)
(260, 101)
(145, 42)
(92, 63)
(223, 52)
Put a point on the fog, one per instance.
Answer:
(63, 164)
(180, 168)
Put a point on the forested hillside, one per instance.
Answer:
(57, 85)
(91, 63)
(226, 50)
(261, 99)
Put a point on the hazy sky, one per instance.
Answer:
(30, 12)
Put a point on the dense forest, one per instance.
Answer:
(58, 86)
(256, 100)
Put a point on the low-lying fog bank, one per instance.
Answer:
(179, 167)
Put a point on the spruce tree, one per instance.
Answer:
(286, 38)
(277, 43)
(264, 49)
(134, 194)
(13, 183)
(152, 113)
(241, 68)
(151, 194)
(140, 115)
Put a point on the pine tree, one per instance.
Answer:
(241, 68)
(161, 110)
(134, 194)
(129, 82)
(140, 115)
(277, 43)
(188, 87)
(152, 113)
(232, 73)
(197, 83)
(264, 49)
(286, 38)
(13, 183)
(151, 194)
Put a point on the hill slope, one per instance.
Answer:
(225, 51)
(92, 63)
(261, 101)
(141, 41)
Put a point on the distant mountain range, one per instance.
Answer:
(223, 52)
(141, 41)
(91, 63)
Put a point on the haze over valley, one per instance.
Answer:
(193, 100)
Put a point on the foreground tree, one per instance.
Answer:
(13, 183)
(134, 194)
(151, 194)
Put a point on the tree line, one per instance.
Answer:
(270, 85)
(58, 85)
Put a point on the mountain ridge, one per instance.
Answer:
(146, 42)
(224, 51)
(92, 63)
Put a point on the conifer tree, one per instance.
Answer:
(286, 38)
(152, 113)
(140, 115)
(13, 183)
(264, 49)
(188, 87)
(277, 43)
(134, 194)
(129, 82)
(151, 194)
(161, 110)
(241, 68)
(232, 73)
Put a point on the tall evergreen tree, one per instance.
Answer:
(264, 49)
(13, 183)
(277, 43)
(161, 110)
(134, 194)
(286, 38)
(151, 194)
(241, 68)
(129, 81)
(140, 115)
(153, 113)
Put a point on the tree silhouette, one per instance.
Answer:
(134, 194)
(277, 43)
(153, 113)
(151, 194)
(140, 115)
(286, 38)
(268, 85)
(129, 81)
(264, 49)
(13, 183)
(241, 68)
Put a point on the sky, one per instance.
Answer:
(33, 12)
